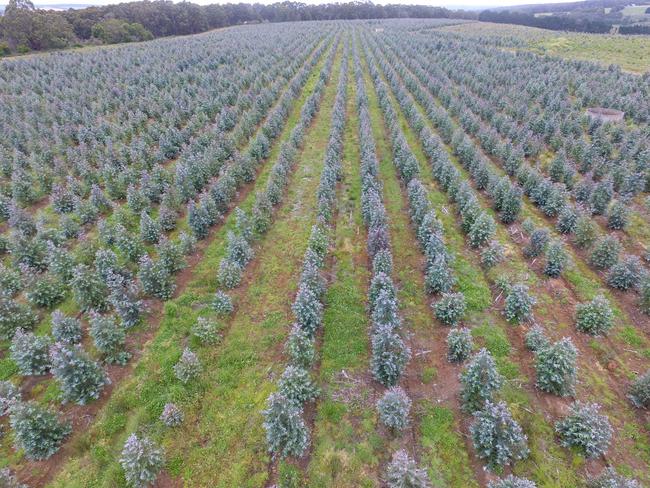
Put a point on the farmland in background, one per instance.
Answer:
(631, 53)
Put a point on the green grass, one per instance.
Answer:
(345, 439)
(632, 53)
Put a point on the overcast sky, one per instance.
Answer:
(442, 3)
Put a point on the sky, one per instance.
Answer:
(442, 3)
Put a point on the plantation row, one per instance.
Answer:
(367, 257)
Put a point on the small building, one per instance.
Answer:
(605, 114)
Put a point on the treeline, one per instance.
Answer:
(635, 29)
(24, 28)
(552, 22)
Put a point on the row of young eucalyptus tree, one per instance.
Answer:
(287, 433)
(390, 352)
(555, 363)
(115, 273)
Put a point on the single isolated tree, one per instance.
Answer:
(497, 437)
(585, 429)
(141, 461)
(37, 430)
(480, 380)
(403, 472)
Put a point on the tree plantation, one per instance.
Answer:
(323, 254)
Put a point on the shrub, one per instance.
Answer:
(595, 317)
(206, 331)
(141, 461)
(90, 291)
(109, 338)
(188, 366)
(80, 379)
(618, 217)
(535, 339)
(307, 309)
(439, 277)
(389, 356)
(300, 347)
(30, 353)
(385, 311)
(556, 259)
(393, 408)
(403, 472)
(65, 329)
(9, 395)
(644, 290)
(567, 220)
(7, 478)
(10, 281)
(586, 231)
(450, 308)
(198, 220)
(296, 385)
(166, 218)
(528, 226)
(639, 393)
(229, 274)
(187, 243)
(609, 478)
(128, 244)
(479, 381)
(286, 432)
(170, 255)
(518, 304)
(378, 239)
(383, 263)
(511, 481)
(106, 263)
(155, 278)
(556, 368)
(319, 242)
(585, 429)
(171, 415)
(13, 316)
(37, 430)
(124, 298)
(601, 196)
(459, 345)
(605, 253)
(482, 230)
(497, 437)
(238, 250)
(537, 244)
(311, 277)
(222, 303)
(625, 274)
(46, 291)
(149, 229)
(492, 255)
(380, 282)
